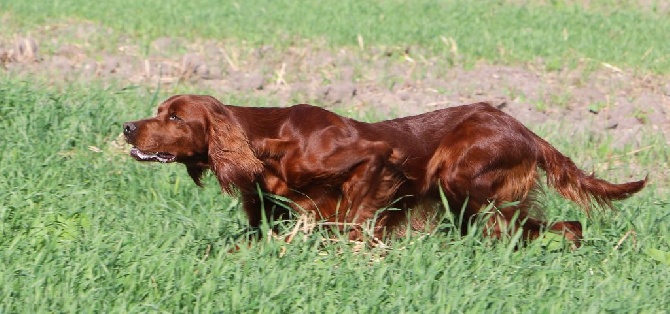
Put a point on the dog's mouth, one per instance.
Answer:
(152, 156)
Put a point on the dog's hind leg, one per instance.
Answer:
(483, 170)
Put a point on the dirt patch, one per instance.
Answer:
(392, 81)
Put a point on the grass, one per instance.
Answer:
(86, 229)
(561, 33)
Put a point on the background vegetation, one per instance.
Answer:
(619, 32)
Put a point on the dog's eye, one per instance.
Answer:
(174, 117)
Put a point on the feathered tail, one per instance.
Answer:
(573, 184)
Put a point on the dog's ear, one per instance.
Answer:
(230, 154)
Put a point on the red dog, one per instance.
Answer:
(346, 172)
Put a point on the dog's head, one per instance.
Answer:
(197, 131)
(178, 132)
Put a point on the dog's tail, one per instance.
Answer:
(573, 184)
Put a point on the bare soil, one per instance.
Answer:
(390, 81)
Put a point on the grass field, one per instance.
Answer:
(563, 32)
(84, 228)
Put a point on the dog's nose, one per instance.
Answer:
(129, 128)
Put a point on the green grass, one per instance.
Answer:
(87, 229)
(561, 33)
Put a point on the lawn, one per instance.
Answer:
(563, 32)
(84, 228)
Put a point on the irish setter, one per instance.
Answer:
(390, 175)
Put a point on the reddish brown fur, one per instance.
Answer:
(345, 171)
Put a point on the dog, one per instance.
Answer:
(351, 174)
